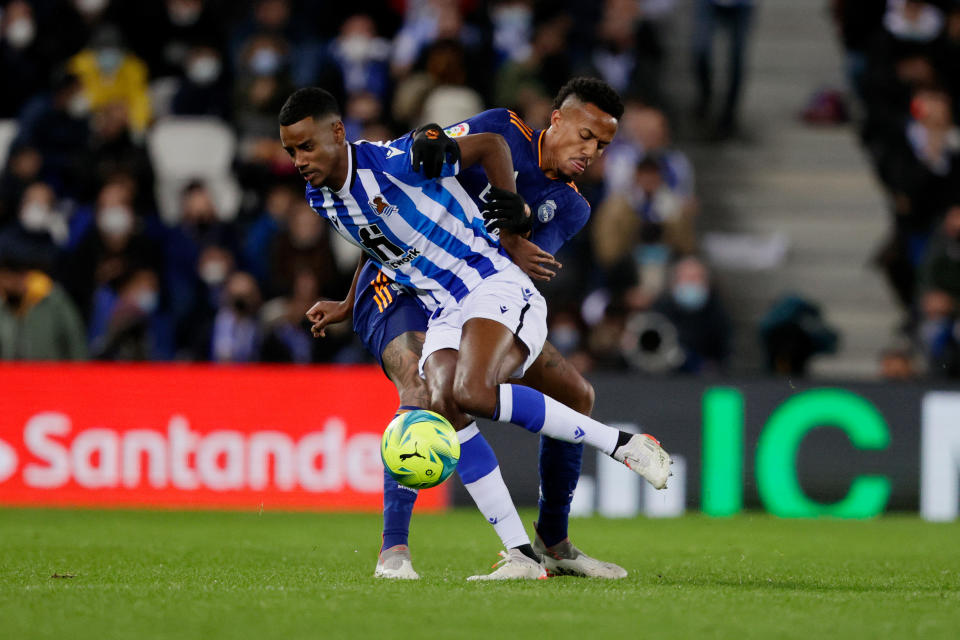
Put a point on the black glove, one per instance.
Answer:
(507, 210)
(431, 148)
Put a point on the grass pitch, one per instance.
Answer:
(246, 575)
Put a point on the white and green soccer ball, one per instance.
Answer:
(420, 449)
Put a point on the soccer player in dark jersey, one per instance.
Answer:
(391, 323)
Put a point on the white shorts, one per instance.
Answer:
(509, 298)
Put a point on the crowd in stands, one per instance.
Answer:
(120, 240)
(903, 64)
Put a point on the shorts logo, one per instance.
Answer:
(546, 211)
(503, 308)
(456, 130)
(381, 207)
(527, 294)
(578, 433)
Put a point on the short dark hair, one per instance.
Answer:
(594, 91)
(309, 102)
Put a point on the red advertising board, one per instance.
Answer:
(247, 437)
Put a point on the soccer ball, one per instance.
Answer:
(420, 449)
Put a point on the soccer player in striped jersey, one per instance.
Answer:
(487, 321)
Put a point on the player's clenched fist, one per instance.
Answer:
(506, 210)
(431, 148)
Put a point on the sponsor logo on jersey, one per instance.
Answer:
(381, 207)
(546, 211)
(457, 130)
(404, 259)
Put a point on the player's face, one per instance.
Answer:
(581, 131)
(317, 150)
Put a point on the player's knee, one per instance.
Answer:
(583, 397)
(474, 397)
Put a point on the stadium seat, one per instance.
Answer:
(183, 149)
(8, 131)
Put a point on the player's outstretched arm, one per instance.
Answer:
(326, 312)
(492, 152)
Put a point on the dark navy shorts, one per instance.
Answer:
(382, 311)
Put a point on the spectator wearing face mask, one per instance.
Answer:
(38, 321)
(37, 222)
(110, 73)
(205, 88)
(128, 323)
(364, 58)
(236, 335)
(112, 248)
(693, 307)
(24, 68)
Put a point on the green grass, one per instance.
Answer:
(153, 574)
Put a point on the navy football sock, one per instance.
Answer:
(397, 508)
(559, 472)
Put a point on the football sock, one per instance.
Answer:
(542, 414)
(559, 472)
(480, 474)
(397, 505)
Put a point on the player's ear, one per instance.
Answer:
(339, 133)
(555, 118)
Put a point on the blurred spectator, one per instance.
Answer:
(304, 245)
(523, 82)
(111, 250)
(38, 321)
(857, 22)
(364, 58)
(261, 233)
(940, 267)
(24, 166)
(128, 323)
(24, 67)
(734, 17)
(57, 124)
(193, 327)
(32, 233)
(111, 74)
(441, 93)
(694, 308)
(792, 332)
(628, 53)
(920, 165)
(236, 335)
(205, 87)
(898, 364)
(938, 334)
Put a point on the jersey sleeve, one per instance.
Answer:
(571, 215)
(502, 121)
(396, 159)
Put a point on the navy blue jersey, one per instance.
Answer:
(558, 209)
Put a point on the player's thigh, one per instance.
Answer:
(553, 375)
(439, 370)
(400, 360)
(489, 353)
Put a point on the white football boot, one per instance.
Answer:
(394, 563)
(564, 559)
(643, 455)
(514, 566)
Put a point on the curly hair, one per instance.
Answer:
(594, 91)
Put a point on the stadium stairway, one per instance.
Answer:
(782, 179)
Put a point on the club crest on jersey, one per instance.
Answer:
(546, 211)
(457, 130)
(381, 207)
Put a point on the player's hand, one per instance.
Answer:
(534, 261)
(431, 148)
(506, 210)
(326, 312)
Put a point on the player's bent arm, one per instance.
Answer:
(326, 312)
(492, 152)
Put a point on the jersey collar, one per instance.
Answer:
(351, 170)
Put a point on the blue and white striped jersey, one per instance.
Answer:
(427, 235)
